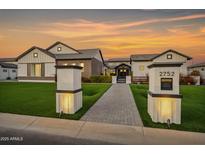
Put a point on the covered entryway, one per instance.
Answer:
(121, 72)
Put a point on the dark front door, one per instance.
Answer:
(122, 72)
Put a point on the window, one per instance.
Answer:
(202, 69)
(73, 64)
(82, 65)
(14, 71)
(65, 64)
(166, 83)
(141, 67)
(36, 70)
(169, 56)
(59, 49)
(4, 70)
(35, 55)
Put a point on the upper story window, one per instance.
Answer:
(14, 71)
(4, 70)
(141, 67)
(202, 69)
(35, 55)
(59, 49)
(169, 56)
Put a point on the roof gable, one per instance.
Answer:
(31, 49)
(66, 49)
(173, 51)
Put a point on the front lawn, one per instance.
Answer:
(193, 108)
(39, 98)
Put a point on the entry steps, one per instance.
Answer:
(121, 79)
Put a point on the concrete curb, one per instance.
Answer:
(112, 133)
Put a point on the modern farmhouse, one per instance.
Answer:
(136, 65)
(37, 64)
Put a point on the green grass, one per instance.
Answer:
(39, 98)
(193, 108)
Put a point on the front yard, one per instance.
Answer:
(193, 108)
(39, 98)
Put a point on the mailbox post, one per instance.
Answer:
(164, 99)
(69, 91)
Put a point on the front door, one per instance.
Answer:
(122, 72)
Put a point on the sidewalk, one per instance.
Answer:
(116, 106)
(110, 133)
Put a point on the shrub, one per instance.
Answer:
(112, 74)
(101, 79)
(195, 73)
(86, 80)
(187, 80)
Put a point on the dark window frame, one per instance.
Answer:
(169, 56)
(163, 88)
(5, 70)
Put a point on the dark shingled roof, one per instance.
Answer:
(150, 57)
(74, 56)
(83, 54)
(143, 57)
(8, 65)
(197, 65)
(118, 60)
(7, 59)
(165, 64)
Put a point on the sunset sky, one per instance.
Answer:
(118, 33)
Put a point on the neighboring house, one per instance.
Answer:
(198, 67)
(140, 62)
(8, 71)
(37, 64)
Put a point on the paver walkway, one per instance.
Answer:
(116, 106)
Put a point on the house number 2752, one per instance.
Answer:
(166, 73)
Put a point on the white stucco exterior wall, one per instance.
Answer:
(136, 68)
(155, 80)
(50, 69)
(22, 70)
(68, 79)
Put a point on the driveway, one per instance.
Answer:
(116, 106)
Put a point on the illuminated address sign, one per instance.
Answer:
(166, 83)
